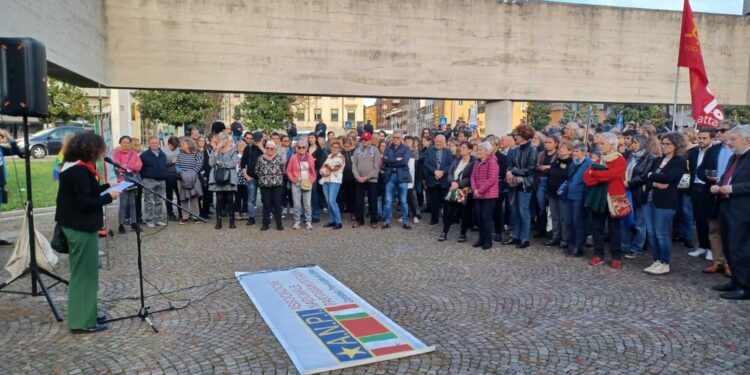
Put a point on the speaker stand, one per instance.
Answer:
(33, 269)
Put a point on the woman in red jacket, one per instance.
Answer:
(128, 158)
(614, 177)
(485, 189)
(301, 172)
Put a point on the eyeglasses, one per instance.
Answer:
(270, 148)
(301, 148)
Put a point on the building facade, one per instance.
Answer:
(335, 111)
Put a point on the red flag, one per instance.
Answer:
(706, 109)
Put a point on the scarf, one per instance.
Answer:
(90, 166)
(609, 158)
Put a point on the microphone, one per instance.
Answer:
(110, 161)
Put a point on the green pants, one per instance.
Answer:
(84, 278)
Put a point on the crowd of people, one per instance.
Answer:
(625, 190)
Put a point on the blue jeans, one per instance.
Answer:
(576, 222)
(634, 238)
(316, 201)
(541, 204)
(684, 220)
(331, 191)
(402, 187)
(658, 222)
(252, 196)
(520, 215)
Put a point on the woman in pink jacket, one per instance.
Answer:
(485, 189)
(301, 172)
(128, 158)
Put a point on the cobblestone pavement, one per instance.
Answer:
(504, 310)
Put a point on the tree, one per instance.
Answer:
(267, 111)
(178, 108)
(67, 102)
(578, 112)
(738, 113)
(640, 113)
(537, 115)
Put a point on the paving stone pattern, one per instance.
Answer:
(529, 311)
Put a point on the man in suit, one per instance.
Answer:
(715, 160)
(437, 161)
(733, 191)
(700, 195)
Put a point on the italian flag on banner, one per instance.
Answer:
(706, 109)
(378, 339)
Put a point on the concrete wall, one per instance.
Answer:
(470, 49)
(73, 31)
(746, 8)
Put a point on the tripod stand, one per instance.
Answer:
(145, 312)
(33, 269)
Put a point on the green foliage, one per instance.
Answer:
(577, 112)
(537, 115)
(738, 113)
(178, 108)
(640, 113)
(266, 112)
(67, 102)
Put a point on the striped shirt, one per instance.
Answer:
(187, 161)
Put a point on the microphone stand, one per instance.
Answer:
(145, 312)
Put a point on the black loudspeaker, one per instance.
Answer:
(23, 77)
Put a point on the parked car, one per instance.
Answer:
(49, 141)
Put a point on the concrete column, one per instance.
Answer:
(499, 117)
(746, 9)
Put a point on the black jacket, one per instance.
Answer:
(523, 164)
(79, 203)
(558, 173)
(429, 166)
(707, 202)
(502, 162)
(154, 167)
(668, 198)
(464, 178)
(738, 205)
(637, 182)
(8, 151)
(250, 159)
(348, 176)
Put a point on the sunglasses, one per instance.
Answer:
(301, 148)
(722, 130)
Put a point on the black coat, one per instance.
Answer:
(250, 158)
(79, 203)
(558, 173)
(429, 166)
(668, 198)
(523, 164)
(464, 178)
(704, 203)
(637, 182)
(738, 205)
(502, 162)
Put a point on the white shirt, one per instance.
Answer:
(338, 175)
(701, 154)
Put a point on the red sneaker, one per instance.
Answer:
(595, 261)
(616, 264)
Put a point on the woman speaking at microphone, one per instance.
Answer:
(79, 213)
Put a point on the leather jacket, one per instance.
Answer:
(523, 164)
(636, 184)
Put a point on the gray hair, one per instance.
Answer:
(642, 140)
(572, 125)
(609, 138)
(190, 143)
(742, 131)
(487, 146)
(399, 132)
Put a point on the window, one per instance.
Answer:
(318, 114)
(350, 115)
(300, 115)
(460, 103)
(237, 111)
(334, 114)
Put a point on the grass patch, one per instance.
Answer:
(43, 188)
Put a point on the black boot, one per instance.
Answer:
(231, 221)
(218, 219)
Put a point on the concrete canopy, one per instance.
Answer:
(472, 49)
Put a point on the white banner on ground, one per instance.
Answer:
(322, 324)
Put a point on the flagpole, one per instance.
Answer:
(676, 86)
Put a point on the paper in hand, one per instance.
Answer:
(118, 188)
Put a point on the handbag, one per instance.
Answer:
(459, 196)
(59, 243)
(562, 191)
(222, 175)
(619, 206)
(304, 184)
(684, 184)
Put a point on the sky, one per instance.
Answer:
(706, 6)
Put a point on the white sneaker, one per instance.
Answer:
(150, 225)
(709, 255)
(652, 267)
(309, 226)
(661, 269)
(697, 252)
(161, 224)
(296, 225)
(416, 220)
